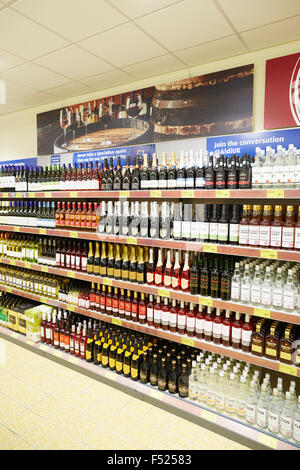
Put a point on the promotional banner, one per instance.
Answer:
(282, 94)
(213, 104)
(123, 152)
(21, 162)
(246, 143)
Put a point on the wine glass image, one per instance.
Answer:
(134, 107)
(295, 93)
(86, 116)
(74, 124)
(64, 120)
(105, 115)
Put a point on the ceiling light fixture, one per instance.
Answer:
(2, 92)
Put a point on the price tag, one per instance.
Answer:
(116, 321)
(125, 194)
(57, 353)
(268, 441)
(223, 193)
(155, 193)
(44, 300)
(275, 193)
(259, 312)
(163, 293)
(188, 193)
(270, 254)
(157, 395)
(73, 360)
(74, 234)
(42, 231)
(16, 229)
(45, 269)
(31, 195)
(15, 335)
(9, 289)
(73, 194)
(18, 195)
(70, 307)
(110, 375)
(27, 265)
(131, 241)
(286, 369)
(209, 416)
(71, 274)
(107, 282)
(188, 341)
(49, 195)
(206, 301)
(210, 248)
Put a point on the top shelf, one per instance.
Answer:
(238, 194)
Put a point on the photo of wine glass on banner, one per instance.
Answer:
(214, 104)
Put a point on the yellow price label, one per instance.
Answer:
(4, 194)
(210, 248)
(45, 269)
(124, 193)
(163, 293)
(270, 254)
(155, 193)
(116, 321)
(31, 195)
(107, 282)
(19, 195)
(74, 234)
(275, 193)
(27, 265)
(16, 229)
(223, 193)
(71, 274)
(42, 231)
(188, 341)
(206, 301)
(260, 312)
(188, 193)
(44, 300)
(70, 307)
(286, 369)
(268, 441)
(131, 241)
(73, 194)
(209, 416)
(9, 289)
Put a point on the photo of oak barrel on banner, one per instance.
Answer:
(217, 103)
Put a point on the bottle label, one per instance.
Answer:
(195, 230)
(277, 296)
(288, 300)
(158, 279)
(246, 336)
(255, 294)
(193, 389)
(186, 229)
(172, 319)
(264, 235)
(225, 331)
(167, 281)
(251, 413)
(190, 323)
(261, 417)
(223, 232)
(241, 408)
(157, 315)
(266, 296)
(150, 313)
(204, 230)
(165, 317)
(208, 327)
(181, 320)
(297, 238)
(177, 226)
(286, 425)
(276, 234)
(217, 329)
(184, 284)
(213, 231)
(150, 278)
(253, 234)
(235, 290)
(236, 333)
(199, 325)
(273, 422)
(288, 237)
(234, 232)
(220, 401)
(243, 234)
(278, 174)
(296, 430)
(245, 293)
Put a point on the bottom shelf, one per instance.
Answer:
(229, 427)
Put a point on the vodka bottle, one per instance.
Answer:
(246, 285)
(230, 400)
(290, 170)
(256, 285)
(256, 169)
(202, 388)
(251, 403)
(286, 417)
(274, 413)
(262, 407)
(211, 387)
(296, 423)
(289, 293)
(242, 397)
(277, 290)
(220, 395)
(236, 283)
(279, 168)
(266, 289)
(193, 383)
(267, 170)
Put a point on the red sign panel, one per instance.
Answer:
(282, 97)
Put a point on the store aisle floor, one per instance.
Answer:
(47, 406)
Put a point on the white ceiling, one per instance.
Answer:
(56, 49)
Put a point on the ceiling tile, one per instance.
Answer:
(135, 8)
(187, 24)
(8, 61)
(275, 33)
(123, 45)
(72, 19)
(164, 64)
(10, 107)
(214, 50)
(247, 15)
(14, 91)
(69, 90)
(74, 62)
(23, 37)
(107, 80)
(34, 76)
(36, 99)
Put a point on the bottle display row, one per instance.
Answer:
(230, 387)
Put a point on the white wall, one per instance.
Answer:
(18, 130)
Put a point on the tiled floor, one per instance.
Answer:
(47, 406)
